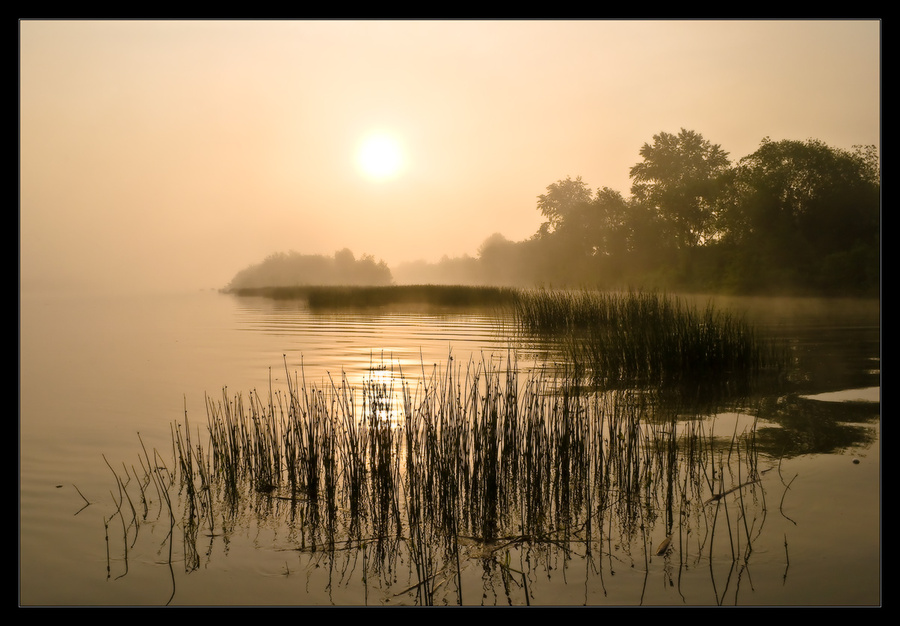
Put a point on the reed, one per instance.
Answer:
(645, 338)
(649, 339)
(419, 467)
(481, 453)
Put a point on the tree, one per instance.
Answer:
(561, 199)
(679, 180)
(498, 260)
(616, 231)
(809, 212)
(290, 269)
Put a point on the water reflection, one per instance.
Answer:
(352, 343)
(807, 426)
(472, 472)
(447, 468)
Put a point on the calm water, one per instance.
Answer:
(95, 372)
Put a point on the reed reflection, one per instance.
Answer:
(478, 466)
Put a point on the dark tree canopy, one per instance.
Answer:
(561, 199)
(679, 180)
(808, 213)
(793, 216)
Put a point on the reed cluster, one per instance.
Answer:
(429, 464)
(648, 338)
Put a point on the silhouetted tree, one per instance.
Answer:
(679, 180)
(807, 214)
(615, 228)
(561, 199)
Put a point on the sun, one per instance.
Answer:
(380, 156)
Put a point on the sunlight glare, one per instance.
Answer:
(380, 157)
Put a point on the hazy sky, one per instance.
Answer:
(172, 154)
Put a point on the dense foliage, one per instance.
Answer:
(793, 217)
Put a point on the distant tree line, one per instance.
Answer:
(793, 217)
(293, 269)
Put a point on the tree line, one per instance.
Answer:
(293, 269)
(793, 217)
(797, 217)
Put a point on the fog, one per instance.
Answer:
(159, 155)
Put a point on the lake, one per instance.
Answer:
(104, 378)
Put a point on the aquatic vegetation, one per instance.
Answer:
(649, 338)
(591, 456)
(643, 338)
(475, 462)
(436, 295)
(356, 297)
